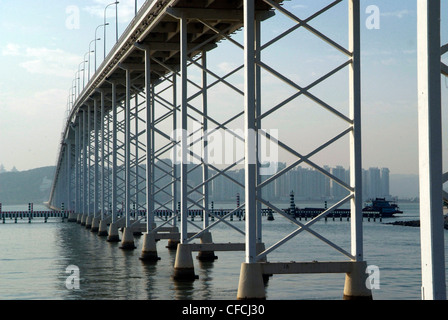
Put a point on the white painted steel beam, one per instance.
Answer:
(85, 163)
(184, 128)
(430, 151)
(103, 202)
(149, 144)
(355, 135)
(127, 147)
(114, 184)
(250, 150)
(96, 177)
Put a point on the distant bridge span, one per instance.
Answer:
(157, 79)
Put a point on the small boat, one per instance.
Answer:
(383, 207)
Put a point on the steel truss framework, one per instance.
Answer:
(150, 98)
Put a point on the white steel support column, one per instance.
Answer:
(77, 171)
(127, 145)
(430, 151)
(113, 228)
(127, 241)
(136, 171)
(184, 130)
(87, 160)
(149, 144)
(258, 122)
(251, 282)
(250, 131)
(149, 250)
(96, 176)
(114, 152)
(174, 188)
(84, 162)
(183, 266)
(89, 167)
(205, 187)
(103, 155)
(68, 154)
(355, 135)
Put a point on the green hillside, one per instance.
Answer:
(26, 186)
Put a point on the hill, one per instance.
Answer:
(26, 186)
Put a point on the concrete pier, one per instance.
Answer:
(149, 250)
(173, 242)
(72, 217)
(127, 242)
(83, 219)
(355, 283)
(102, 229)
(95, 224)
(206, 255)
(251, 284)
(251, 276)
(88, 224)
(113, 233)
(183, 266)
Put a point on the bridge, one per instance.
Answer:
(157, 96)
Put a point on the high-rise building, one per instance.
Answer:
(385, 187)
(306, 183)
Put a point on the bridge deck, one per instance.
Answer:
(157, 26)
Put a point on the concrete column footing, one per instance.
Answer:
(127, 242)
(183, 266)
(95, 225)
(102, 229)
(206, 255)
(88, 222)
(113, 233)
(149, 250)
(355, 283)
(251, 285)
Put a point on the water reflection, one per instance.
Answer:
(107, 272)
(37, 270)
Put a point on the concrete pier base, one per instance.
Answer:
(355, 283)
(173, 243)
(78, 218)
(102, 229)
(89, 222)
(95, 224)
(83, 220)
(149, 250)
(251, 284)
(113, 233)
(71, 217)
(183, 266)
(206, 255)
(127, 243)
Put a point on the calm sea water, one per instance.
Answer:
(34, 258)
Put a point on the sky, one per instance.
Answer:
(43, 44)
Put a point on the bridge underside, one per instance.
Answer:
(150, 100)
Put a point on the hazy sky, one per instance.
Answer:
(41, 50)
